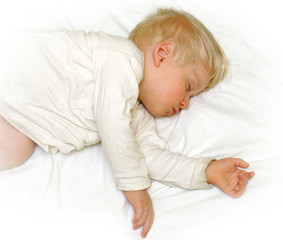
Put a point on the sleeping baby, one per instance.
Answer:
(65, 90)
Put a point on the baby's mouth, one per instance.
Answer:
(173, 111)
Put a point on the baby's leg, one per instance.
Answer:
(15, 147)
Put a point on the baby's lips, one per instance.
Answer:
(172, 112)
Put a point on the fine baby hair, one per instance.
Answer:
(192, 41)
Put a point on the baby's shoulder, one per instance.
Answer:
(116, 44)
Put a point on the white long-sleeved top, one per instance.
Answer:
(70, 89)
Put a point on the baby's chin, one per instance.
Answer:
(156, 113)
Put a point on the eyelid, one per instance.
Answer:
(188, 86)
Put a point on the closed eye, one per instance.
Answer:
(188, 86)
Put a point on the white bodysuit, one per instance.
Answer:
(70, 89)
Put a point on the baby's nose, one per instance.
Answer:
(185, 103)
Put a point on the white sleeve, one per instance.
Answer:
(116, 94)
(165, 166)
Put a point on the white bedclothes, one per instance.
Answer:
(74, 196)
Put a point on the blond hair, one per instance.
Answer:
(192, 41)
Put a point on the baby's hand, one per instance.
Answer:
(226, 175)
(144, 214)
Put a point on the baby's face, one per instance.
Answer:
(170, 87)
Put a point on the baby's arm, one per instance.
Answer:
(175, 169)
(115, 98)
(165, 166)
(226, 175)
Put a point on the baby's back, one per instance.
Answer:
(47, 88)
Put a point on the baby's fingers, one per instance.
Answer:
(139, 219)
(240, 185)
(240, 163)
(147, 225)
(138, 215)
(244, 178)
(250, 175)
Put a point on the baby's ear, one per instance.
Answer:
(162, 51)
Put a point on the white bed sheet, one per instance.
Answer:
(74, 196)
